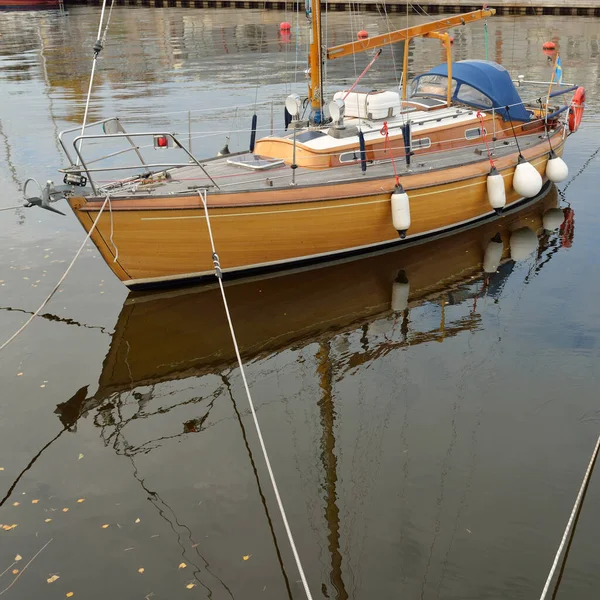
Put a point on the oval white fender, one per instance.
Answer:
(400, 211)
(527, 182)
(495, 190)
(556, 168)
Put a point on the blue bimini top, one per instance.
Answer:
(479, 83)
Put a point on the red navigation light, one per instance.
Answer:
(161, 141)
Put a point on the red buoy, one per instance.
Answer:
(285, 26)
(362, 34)
(549, 46)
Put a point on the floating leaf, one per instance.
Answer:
(43, 385)
(80, 456)
(247, 556)
(15, 571)
(65, 510)
(34, 501)
(20, 374)
(16, 503)
(81, 500)
(47, 520)
(105, 526)
(18, 557)
(8, 527)
(189, 586)
(141, 570)
(137, 520)
(69, 594)
(1, 468)
(182, 565)
(52, 578)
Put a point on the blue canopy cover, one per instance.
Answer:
(489, 78)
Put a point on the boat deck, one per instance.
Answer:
(219, 175)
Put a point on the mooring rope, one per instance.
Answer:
(60, 281)
(567, 533)
(219, 275)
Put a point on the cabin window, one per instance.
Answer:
(420, 143)
(431, 85)
(469, 95)
(471, 134)
(348, 157)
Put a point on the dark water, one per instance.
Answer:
(433, 452)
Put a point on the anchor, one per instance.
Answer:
(49, 194)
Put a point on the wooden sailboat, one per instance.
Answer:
(369, 170)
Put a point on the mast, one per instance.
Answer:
(315, 87)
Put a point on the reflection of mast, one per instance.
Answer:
(9, 162)
(329, 459)
(262, 496)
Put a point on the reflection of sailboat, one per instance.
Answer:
(177, 334)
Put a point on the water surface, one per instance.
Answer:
(429, 452)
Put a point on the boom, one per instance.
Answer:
(401, 35)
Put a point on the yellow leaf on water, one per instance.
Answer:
(137, 520)
(247, 556)
(1, 468)
(182, 565)
(34, 501)
(15, 571)
(47, 520)
(105, 526)
(81, 500)
(18, 557)
(80, 456)
(16, 503)
(141, 570)
(69, 594)
(65, 510)
(19, 374)
(189, 586)
(52, 578)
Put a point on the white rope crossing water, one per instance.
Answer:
(219, 275)
(582, 489)
(60, 281)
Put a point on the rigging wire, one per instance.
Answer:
(219, 275)
(97, 49)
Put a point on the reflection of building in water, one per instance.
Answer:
(146, 47)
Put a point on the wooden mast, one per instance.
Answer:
(315, 87)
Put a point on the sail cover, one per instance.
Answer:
(482, 84)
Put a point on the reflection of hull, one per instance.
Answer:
(176, 334)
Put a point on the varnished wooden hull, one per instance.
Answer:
(165, 240)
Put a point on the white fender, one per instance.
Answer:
(493, 254)
(527, 182)
(400, 211)
(495, 190)
(556, 169)
(523, 242)
(553, 219)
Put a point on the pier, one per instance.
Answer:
(503, 7)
